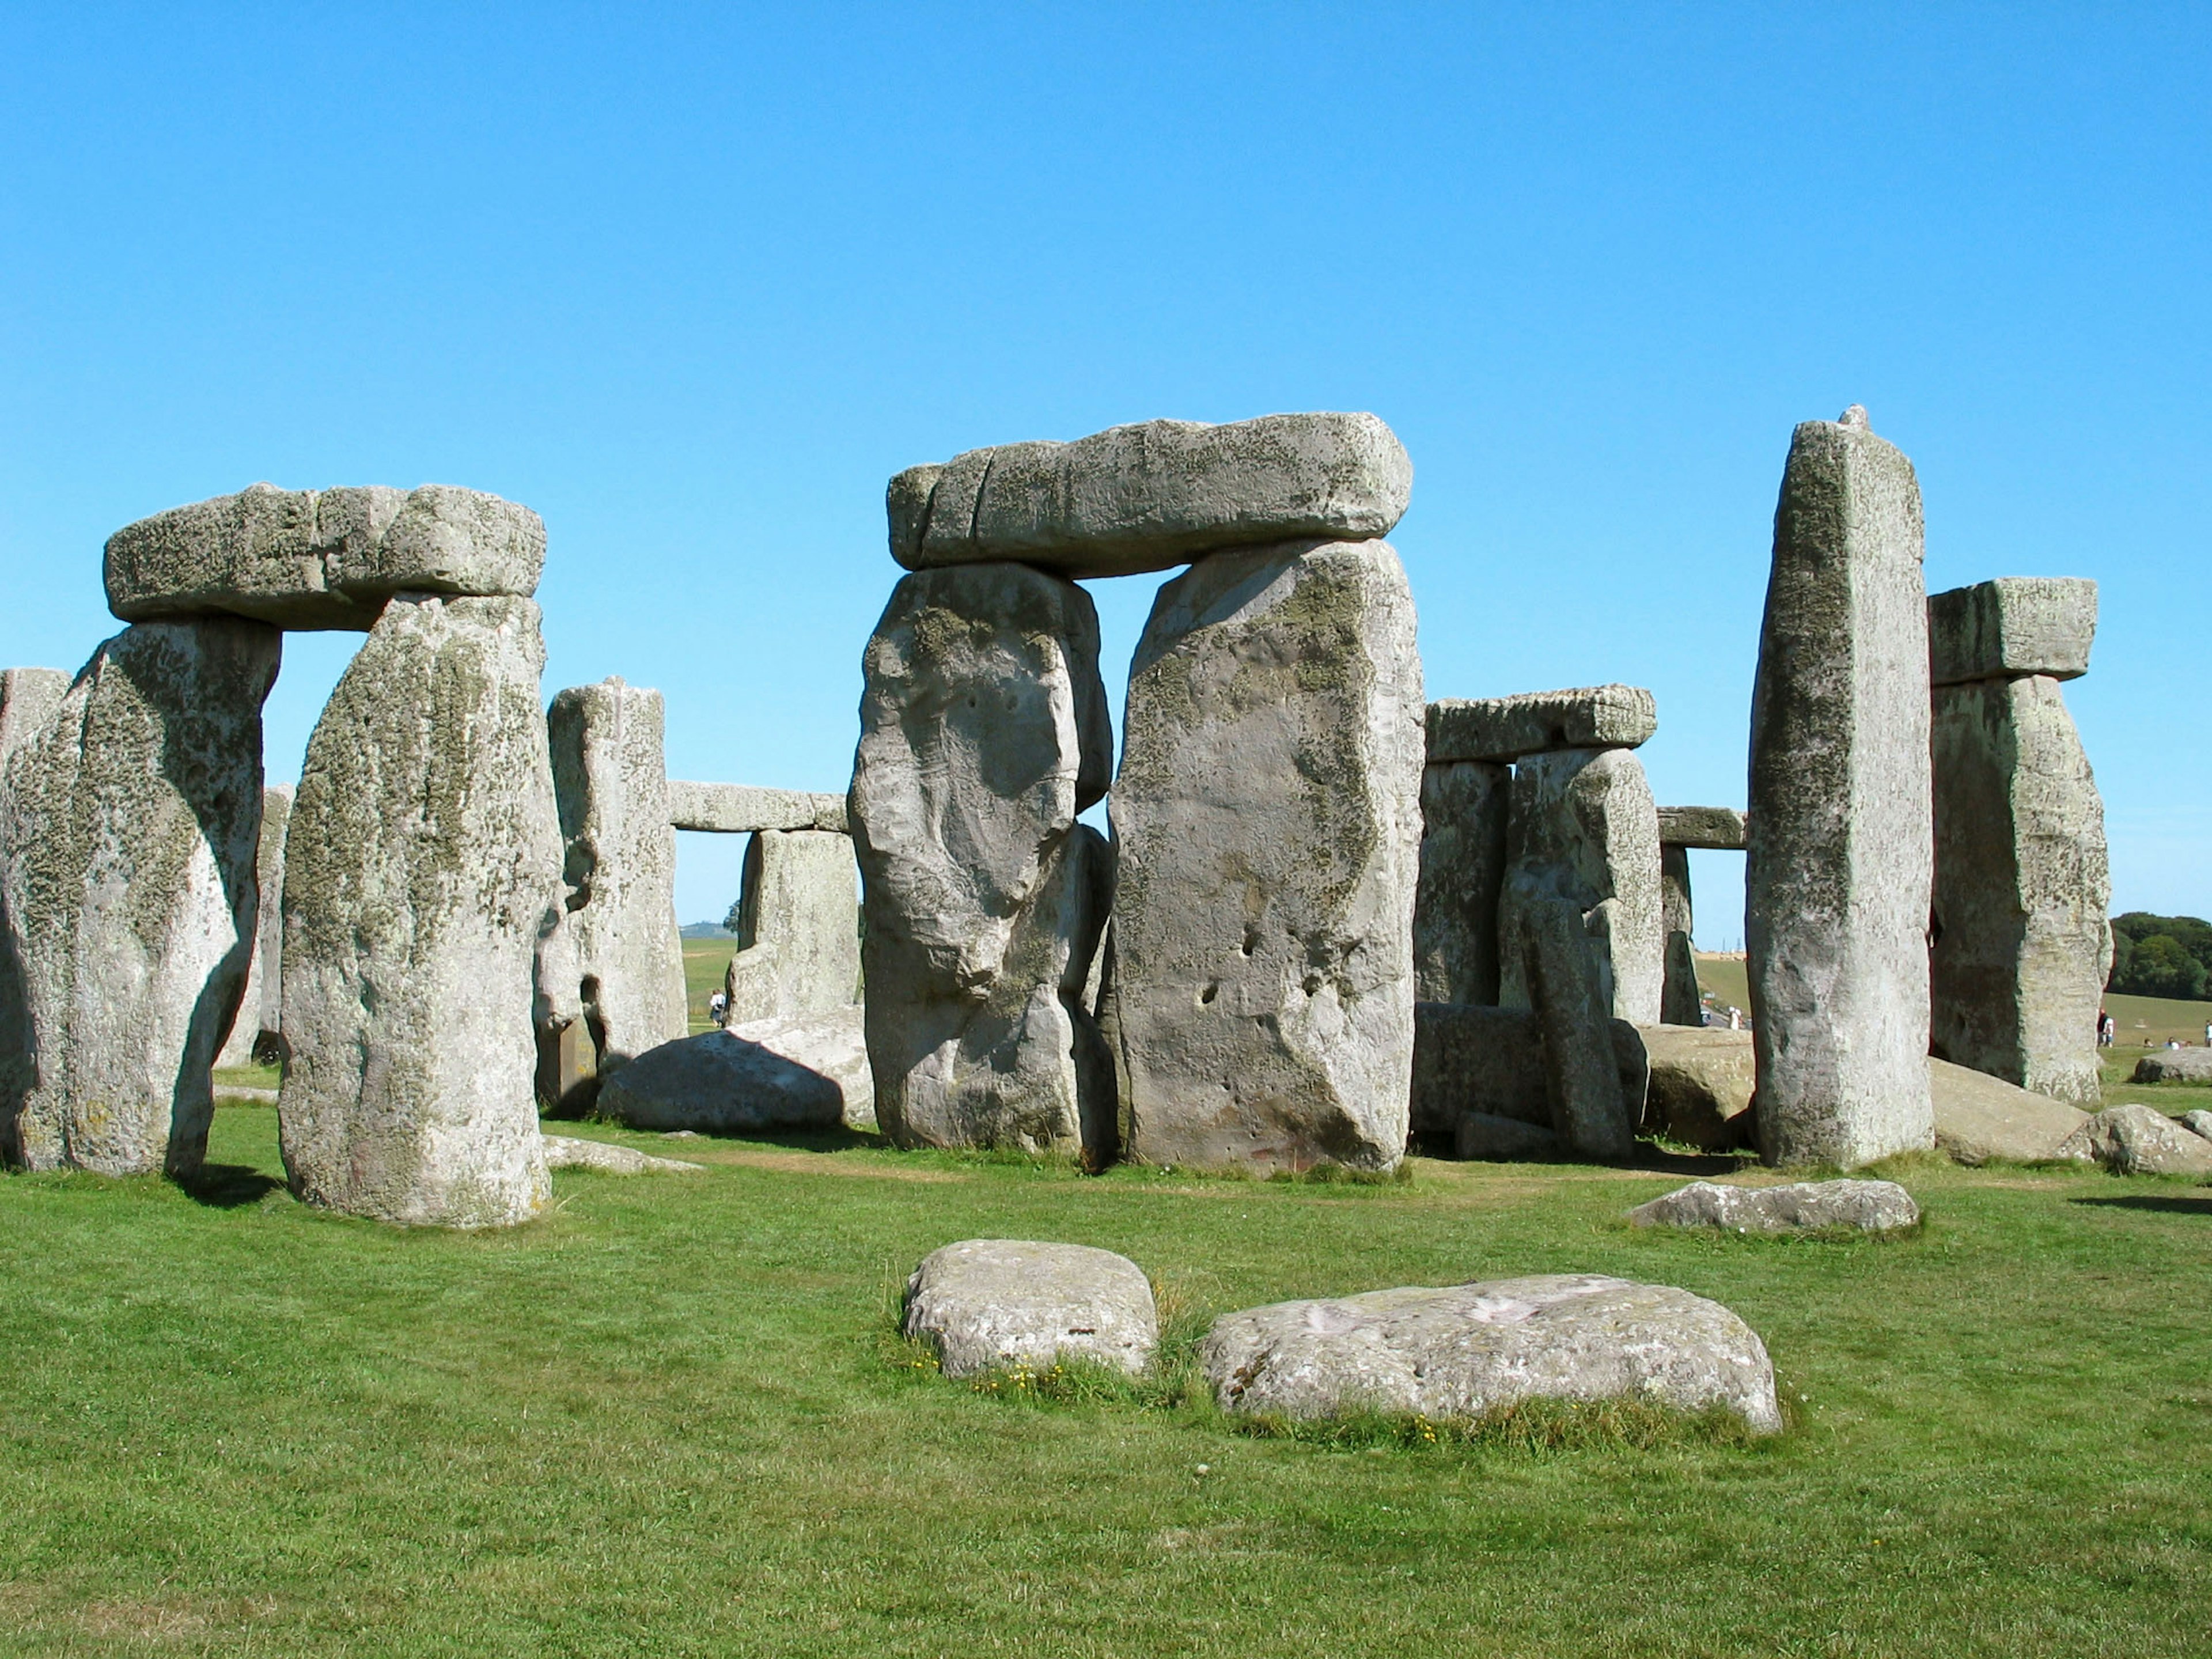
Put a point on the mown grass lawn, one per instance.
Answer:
(668, 1420)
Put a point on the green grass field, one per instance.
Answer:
(705, 963)
(670, 1420)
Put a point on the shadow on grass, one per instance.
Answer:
(228, 1186)
(2169, 1204)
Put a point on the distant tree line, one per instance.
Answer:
(2160, 956)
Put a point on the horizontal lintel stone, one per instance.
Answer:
(2011, 628)
(1716, 829)
(1537, 722)
(740, 809)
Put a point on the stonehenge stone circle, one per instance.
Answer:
(128, 828)
(987, 1304)
(1536, 722)
(2021, 943)
(422, 869)
(740, 809)
(261, 1009)
(1153, 495)
(983, 732)
(1873, 1206)
(1462, 872)
(1714, 829)
(1838, 839)
(798, 926)
(1266, 818)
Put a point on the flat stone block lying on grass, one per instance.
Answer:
(1471, 1349)
(1979, 1117)
(806, 1073)
(2174, 1066)
(1538, 722)
(1701, 1079)
(2139, 1140)
(567, 1152)
(988, 1302)
(1873, 1206)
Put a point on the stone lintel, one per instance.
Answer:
(1714, 829)
(740, 809)
(2010, 628)
(1535, 722)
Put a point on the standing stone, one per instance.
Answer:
(983, 732)
(797, 921)
(1680, 1002)
(260, 1010)
(1839, 842)
(1463, 811)
(421, 871)
(1267, 818)
(27, 696)
(611, 786)
(127, 834)
(1589, 1113)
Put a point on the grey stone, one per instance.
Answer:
(1701, 1085)
(610, 781)
(1538, 722)
(318, 559)
(1873, 1206)
(1463, 809)
(2174, 1066)
(1267, 818)
(1491, 1061)
(2139, 1140)
(1503, 1140)
(2015, 625)
(1588, 1110)
(1681, 1000)
(810, 1072)
(2021, 946)
(567, 1153)
(128, 822)
(990, 1303)
(422, 870)
(1714, 829)
(738, 808)
(1979, 1117)
(1473, 1349)
(983, 732)
(1153, 495)
(2197, 1123)
(1838, 838)
(260, 1010)
(27, 697)
(798, 924)
(1583, 831)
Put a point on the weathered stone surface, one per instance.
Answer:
(2015, 625)
(2174, 1066)
(797, 920)
(740, 809)
(1838, 838)
(1589, 1113)
(321, 558)
(2020, 944)
(1701, 1084)
(2197, 1123)
(1538, 722)
(27, 696)
(983, 732)
(1503, 1140)
(1873, 1206)
(2139, 1140)
(1472, 1349)
(986, 1303)
(809, 1073)
(1153, 495)
(567, 1153)
(1583, 831)
(128, 822)
(1267, 817)
(1463, 809)
(260, 1010)
(1681, 1000)
(422, 870)
(1979, 1117)
(1713, 829)
(611, 783)
(1491, 1061)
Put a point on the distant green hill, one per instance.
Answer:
(706, 930)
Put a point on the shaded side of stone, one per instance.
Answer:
(1714, 829)
(1538, 722)
(1679, 1001)
(260, 1009)
(1589, 1113)
(2010, 627)
(1463, 811)
(796, 921)
(1492, 1062)
(1701, 1085)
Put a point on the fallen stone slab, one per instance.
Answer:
(322, 558)
(2174, 1066)
(1153, 495)
(2139, 1140)
(1490, 1062)
(1538, 722)
(987, 1304)
(2197, 1122)
(568, 1152)
(1473, 1349)
(1504, 1139)
(1713, 829)
(1979, 1117)
(741, 809)
(2010, 627)
(808, 1073)
(234, 1091)
(1873, 1206)
(1701, 1081)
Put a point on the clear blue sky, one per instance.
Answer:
(694, 285)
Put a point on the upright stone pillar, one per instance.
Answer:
(260, 1010)
(983, 732)
(1839, 842)
(127, 832)
(422, 869)
(1267, 821)
(797, 920)
(1463, 811)
(2021, 942)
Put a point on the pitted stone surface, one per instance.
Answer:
(128, 823)
(1715, 829)
(1491, 1061)
(1701, 1084)
(2014, 626)
(1463, 811)
(1873, 1206)
(2139, 1140)
(2174, 1066)
(27, 696)
(1979, 1117)
(1590, 1113)
(797, 920)
(1472, 1349)
(808, 1073)
(567, 1152)
(1838, 836)
(261, 1008)
(1538, 722)
(321, 558)
(983, 732)
(1267, 818)
(740, 809)
(987, 1304)
(1153, 495)
(422, 870)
